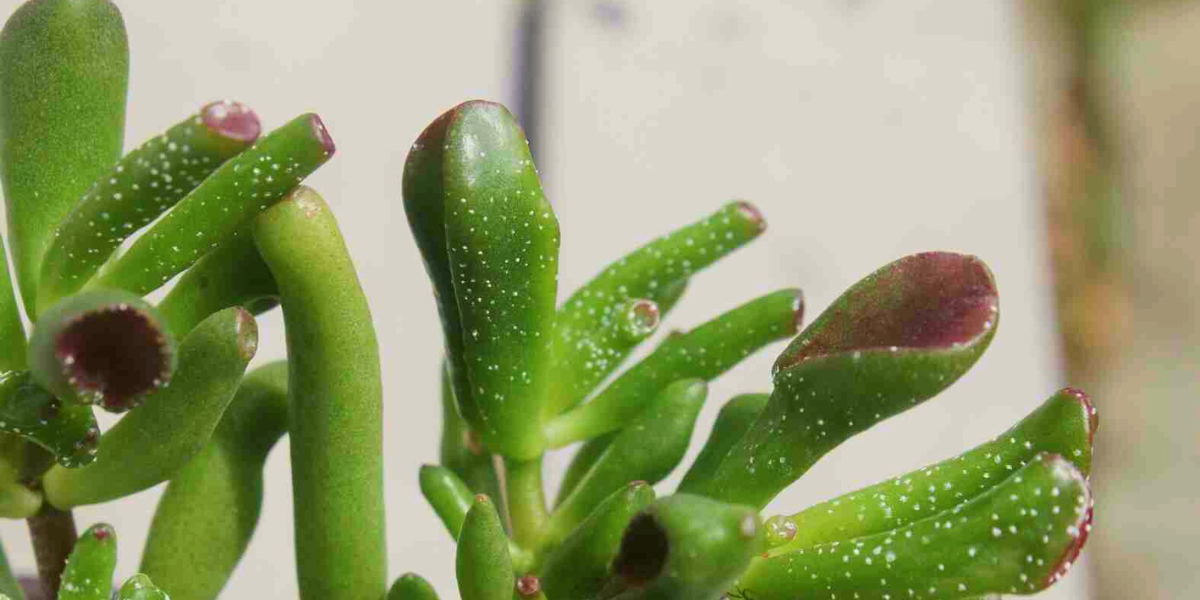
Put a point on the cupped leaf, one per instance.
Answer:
(893, 340)
(411, 586)
(448, 495)
(584, 351)
(143, 185)
(647, 450)
(734, 420)
(685, 546)
(704, 352)
(463, 452)
(64, 72)
(483, 564)
(1018, 537)
(209, 511)
(151, 444)
(335, 417)
(1064, 425)
(581, 565)
(233, 274)
(89, 572)
(503, 240)
(210, 214)
(140, 587)
(106, 347)
(66, 429)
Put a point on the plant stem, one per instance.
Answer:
(526, 500)
(53, 533)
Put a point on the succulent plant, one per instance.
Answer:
(523, 376)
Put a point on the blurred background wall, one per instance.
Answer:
(863, 130)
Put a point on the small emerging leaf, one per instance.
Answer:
(89, 571)
(66, 429)
(140, 587)
(411, 586)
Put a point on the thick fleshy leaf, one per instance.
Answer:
(463, 452)
(1018, 537)
(106, 347)
(335, 417)
(89, 572)
(66, 429)
(153, 442)
(64, 72)
(12, 330)
(594, 354)
(704, 352)
(893, 340)
(448, 495)
(581, 565)
(483, 564)
(502, 239)
(143, 185)
(581, 463)
(1064, 425)
(233, 274)
(242, 187)
(647, 450)
(140, 587)
(584, 351)
(732, 423)
(209, 511)
(17, 499)
(411, 586)
(685, 546)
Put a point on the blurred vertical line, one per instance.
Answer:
(530, 71)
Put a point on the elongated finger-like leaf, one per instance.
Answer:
(335, 421)
(1064, 425)
(893, 340)
(656, 272)
(463, 452)
(12, 331)
(705, 352)
(732, 423)
(233, 274)
(1018, 537)
(209, 511)
(686, 547)
(89, 572)
(106, 347)
(152, 443)
(580, 566)
(67, 430)
(581, 463)
(483, 564)
(242, 187)
(64, 71)
(503, 240)
(143, 185)
(140, 587)
(647, 450)
(448, 495)
(594, 354)
(411, 586)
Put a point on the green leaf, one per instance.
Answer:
(448, 495)
(106, 347)
(142, 186)
(1018, 537)
(503, 240)
(580, 566)
(12, 330)
(463, 452)
(583, 352)
(67, 430)
(336, 402)
(581, 463)
(705, 352)
(893, 340)
(732, 423)
(237, 191)
(140, 587)
(686, 546)
(151, 443)
(9, 587)
(647, 450)
(89, 571)
(209, 511)
(411, 586)
(64, 71)
(1064, 425)
(483, 564)
(19, 462)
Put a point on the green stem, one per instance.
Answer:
(53, 534)
(526, 500)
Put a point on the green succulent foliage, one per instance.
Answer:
(896, 338)
(89, 572)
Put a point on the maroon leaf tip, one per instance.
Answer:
(752, 214)
(103, 532)
(233, 120)
(247, 333)
(644, 315)
(322, 134)
(1089, 409)
(528, 586)
(116, 354)
(1080, 530)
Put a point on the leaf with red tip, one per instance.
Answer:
(106, 347)
(1018, 537)
(68, 430)
(144, 184)
(89, 571)
(893, 340)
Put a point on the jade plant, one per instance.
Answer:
(214, 206)
(525, 375)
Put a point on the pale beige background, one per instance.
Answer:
(864, 130)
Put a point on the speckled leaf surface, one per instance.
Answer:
(893, 340)
(503, 240)
(141, 587)
(734, 420)
(89, 571)
(66, 429)
(462, 451)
